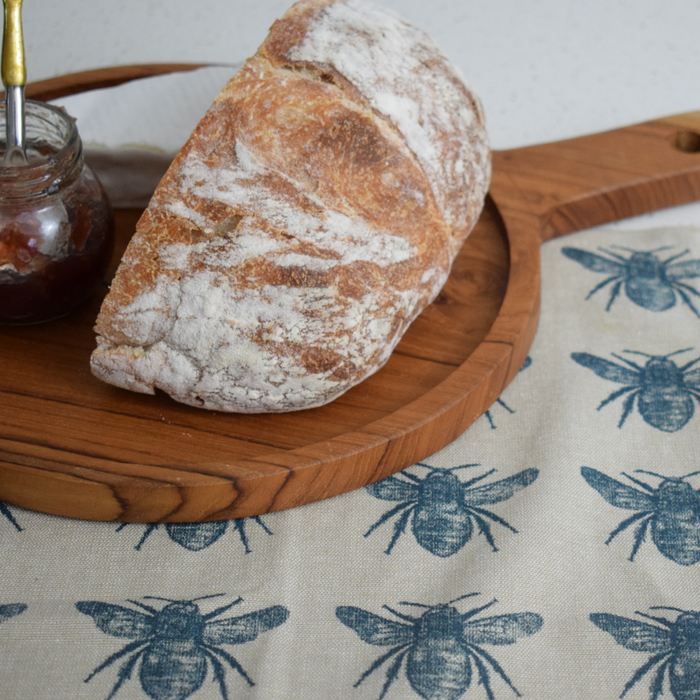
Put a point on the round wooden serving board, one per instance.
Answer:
(73, 446)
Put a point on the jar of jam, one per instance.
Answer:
(56, 223)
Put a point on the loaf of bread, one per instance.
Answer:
(312, 215)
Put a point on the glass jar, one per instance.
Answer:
(56, 223)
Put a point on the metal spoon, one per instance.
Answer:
(14, 77)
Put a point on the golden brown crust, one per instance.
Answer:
(305, 223)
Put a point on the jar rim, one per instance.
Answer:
(62, 133)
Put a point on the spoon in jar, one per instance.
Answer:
(14, 78)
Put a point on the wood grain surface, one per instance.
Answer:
(73, 446)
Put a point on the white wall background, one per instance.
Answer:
(545, 69)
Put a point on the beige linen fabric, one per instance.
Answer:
(333, 581)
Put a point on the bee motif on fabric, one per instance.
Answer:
(443, 648)
(649, 282)
(198, 536)
(674, 646)
(443, 508)
(177, 643)
(671, 511)
(663, 391)
(5, 510)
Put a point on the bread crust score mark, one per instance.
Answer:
(312, 215)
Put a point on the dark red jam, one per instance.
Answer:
(54, 245)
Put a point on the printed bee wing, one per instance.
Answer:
(374, 629)
(594, 262)
(499, 490)
(502, 629)
(8, 611)
(393, 489)
(117, 620)
(680, 270)
(606, 369)
(616, 493)
(634, 635)
(692, 379)
(246, 628)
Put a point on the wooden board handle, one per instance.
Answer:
(591, 180)
(108, 456)
(53, 88)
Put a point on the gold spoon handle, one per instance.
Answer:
(14, 71)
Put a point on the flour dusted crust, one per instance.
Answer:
(312, 215)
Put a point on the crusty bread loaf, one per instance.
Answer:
(311, 216)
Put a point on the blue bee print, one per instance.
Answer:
(11, 610)
(673, 644)
(489, 417)
(443, 507)
(441, 646)
(198, 536)
(664, 392)
(649, 282)
(672, 510)
(176, 643)
(501, 402)
(4, 509)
